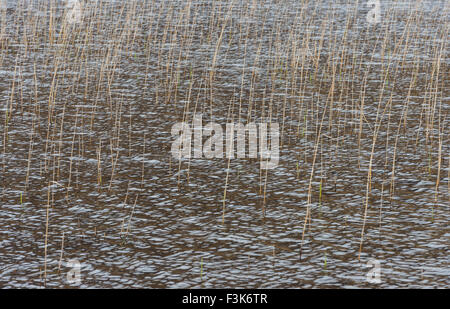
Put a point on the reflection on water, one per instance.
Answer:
(87, 173)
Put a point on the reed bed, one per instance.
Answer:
(78, 100)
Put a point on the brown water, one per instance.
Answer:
(102, 100)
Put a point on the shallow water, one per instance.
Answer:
(149, 221)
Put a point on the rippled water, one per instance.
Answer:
(102, 100)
